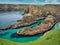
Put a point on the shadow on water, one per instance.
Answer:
(14, 35)
(22, 38)
(32, 25)
(3, 34)
(0, 30)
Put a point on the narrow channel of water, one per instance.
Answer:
(10, 34)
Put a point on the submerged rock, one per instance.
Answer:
(43, 27)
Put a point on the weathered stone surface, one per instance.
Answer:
(31, 14)
(12, 7)
(58, 18)
(26, 20)
(43, 27)
(34, 9)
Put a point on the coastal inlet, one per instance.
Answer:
(10, 34)
(9, 18)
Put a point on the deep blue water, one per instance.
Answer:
(8, 18)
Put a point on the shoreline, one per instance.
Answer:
(22, 25)
(39, 29)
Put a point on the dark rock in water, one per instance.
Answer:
(3, 34)
(19, 20)
(1, 9)
(43, 27)
(4, 28)
(15, 35)
(0, 30)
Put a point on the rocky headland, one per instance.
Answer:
(41, 28)
(34, 9)
(31, 14)
(27, 19)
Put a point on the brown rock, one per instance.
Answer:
(43, 27)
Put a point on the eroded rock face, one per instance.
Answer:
(12, 7)
(31, 14)
(58, 18)
(26, 20)
(30, 18)
(43, 27)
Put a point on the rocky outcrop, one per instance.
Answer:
(34, 9)
(27, 19)
(32, 13)
(58, 18)
(12, 7)
(43, 27)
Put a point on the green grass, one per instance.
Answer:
(49, 38)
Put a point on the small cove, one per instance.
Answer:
(11, 32)
(9, 18)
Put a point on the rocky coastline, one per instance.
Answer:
(31, 15)
(43, 27)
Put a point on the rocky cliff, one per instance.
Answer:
(34, 9)
(32, 13)
(43, 27)
(27, 19)
(12, 7)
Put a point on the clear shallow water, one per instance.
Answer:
(10, 34)
(57, 25)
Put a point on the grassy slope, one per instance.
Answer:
(50, 38)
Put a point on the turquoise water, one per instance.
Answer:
(10, 34)
(57, 25)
